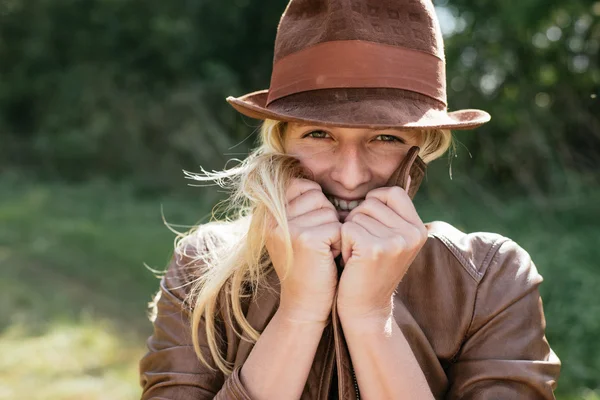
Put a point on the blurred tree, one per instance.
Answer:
(124, 88)
(534, 65)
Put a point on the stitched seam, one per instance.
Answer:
(527, 293)
(495, 246)
(239, 389)
(467, 265)
(492, 253)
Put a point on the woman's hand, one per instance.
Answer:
(308, 291)
(380, 239)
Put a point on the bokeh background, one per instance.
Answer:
(103, 103)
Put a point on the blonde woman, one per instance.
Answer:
(327, 285)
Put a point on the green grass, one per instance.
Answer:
(74, 289)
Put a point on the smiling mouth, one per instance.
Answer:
(343, 205)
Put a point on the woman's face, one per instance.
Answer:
(348, 162)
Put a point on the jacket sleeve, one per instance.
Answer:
(505, 354)
(170, 369)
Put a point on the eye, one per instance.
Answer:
(320, 134)
(390, 139)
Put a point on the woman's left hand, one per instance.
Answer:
(380, 239)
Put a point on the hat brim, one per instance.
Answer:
(368, 112)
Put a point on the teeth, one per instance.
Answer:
(345, 205)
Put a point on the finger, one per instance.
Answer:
(397, 199)
(336, 246)
(349, 232)
(372, 226)
(330, 234)
(377, 210)
(409, 234)
(347, 241)
(315, 218)
(308, 201)
(298, 186)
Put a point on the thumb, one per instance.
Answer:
(347, 244)
(336, 248)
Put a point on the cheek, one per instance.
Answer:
(315, 159)
(316, 163)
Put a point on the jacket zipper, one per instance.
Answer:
(355, 385)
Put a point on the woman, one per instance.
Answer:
(328, 285)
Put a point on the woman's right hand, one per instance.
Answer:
(308, 291)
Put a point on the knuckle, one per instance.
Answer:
(299, 185)
(418, 234)
(275, 236)
(397, 191)
(377, 191)
(399, 244)
(309, 185)
(304, 237)
(294, 230)
(370, 203)
(379, 249)
(421, 235)
(313, 195)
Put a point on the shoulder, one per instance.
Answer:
(478, 253)
(209, 238)
(208, 241)
(196, 251)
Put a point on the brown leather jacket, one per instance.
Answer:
(469, 306)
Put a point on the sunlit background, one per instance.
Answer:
(103, 103)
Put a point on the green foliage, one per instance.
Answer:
(122, 89)
(125, 89)
(534, 66)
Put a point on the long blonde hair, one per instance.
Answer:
(226, 270)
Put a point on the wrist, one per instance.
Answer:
(366, 313)
(375, 323)
(301, 317)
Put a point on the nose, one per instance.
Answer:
(351, 168)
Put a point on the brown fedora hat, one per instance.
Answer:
(359, 63)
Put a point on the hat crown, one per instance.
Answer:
(359, 63)
(410, 24)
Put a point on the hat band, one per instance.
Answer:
(358, 64)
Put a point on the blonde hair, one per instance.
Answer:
(234, 269)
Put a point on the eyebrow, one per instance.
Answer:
(303, 126)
